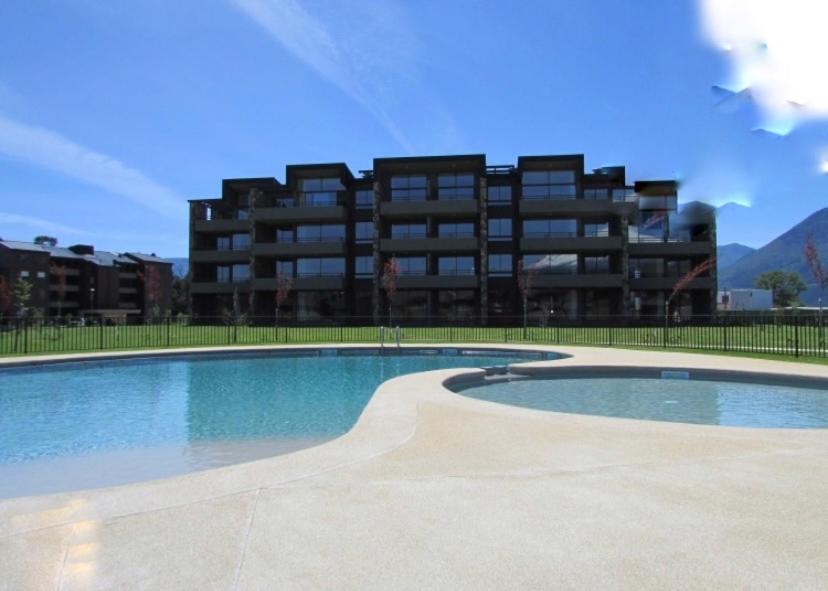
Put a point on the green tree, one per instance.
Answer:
(180, 295)
(46, 240)
(785, 285)
(21, 293)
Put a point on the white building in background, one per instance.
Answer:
(745, 299)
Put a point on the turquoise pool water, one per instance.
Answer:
(674, 400)
(183, 414)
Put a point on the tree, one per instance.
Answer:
(785, 285)
(46, 240)
(685, 280)
(526, 280)
(180, 300)
(819, 274)
(152, 290)
(391, 272)
(59, 273)
(21, 294)
(5, 296)
(284, 284)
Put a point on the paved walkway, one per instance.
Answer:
(434, 490)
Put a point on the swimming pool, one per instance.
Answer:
(713, 399)
(76, 425)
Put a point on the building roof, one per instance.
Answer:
(147, 258)
(20, 245)
(102, 258)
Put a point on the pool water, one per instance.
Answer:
(120, 421)
(674, 400)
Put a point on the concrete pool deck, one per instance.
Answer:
(434, 490)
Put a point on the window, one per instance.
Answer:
(500, 229)
(500, 264)
(620, 194)
(284, 202)
(549, 184)
(455, 265)
(41, 274)
(408, 188)
(284, 268)
(412, 265)
(599, 194)
(321, 233)
(242, 213)
(364, 231)
(241, 241)
(223, 243)
(596, 265)
(678, 268)
(596, 229)
(240, 272)
(364, 266)
(456, 230)
(364, 199)
(24, 274)
(320, 267)
(320, 192)
(455, 186)
(549, 228)
(285, 235)
(223, 274)
(552, 264)
(499, 194)
(408, 230)
(666, 202)
(642, 268)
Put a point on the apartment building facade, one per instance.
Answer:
(79, 281)
(460, 231)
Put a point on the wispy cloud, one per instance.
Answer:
(50, 150)
(13, 219)
(365, 49)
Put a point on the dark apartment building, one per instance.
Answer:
(80, 281)
(459, 230)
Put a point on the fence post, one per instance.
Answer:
(168, 331)
(25, 335)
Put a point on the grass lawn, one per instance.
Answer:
(762, 341)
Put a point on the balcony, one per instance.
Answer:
(68, 288)
(221, 226)
(442, 208)
(127, 290)
(437, 282)
(301, 213)
(667, 283)
(218, 256)
(579, 244)
(427, 245)
(331, 282)
(542, 207)
(585, 281)
(214, 287)
(290, 249)
(673, 248)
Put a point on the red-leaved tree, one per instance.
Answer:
(152, 289)
(390, 273)
(685, 280)
(819, 274)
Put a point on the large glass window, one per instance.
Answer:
(547, 228)
(321, 233)
(241, 272)
(621, 194)
(596, 194)
(417, 230)
(455, 265)
(242, 213)
(241, 241)
(320, 305)
(651, 227)
(549, 184)
(412, 265)
(364, 199)
(364, 231)
(646, 267)
(552, 264)
(678, 268)
(500, 229)
(320, 267)
(455, 186)
(456, 230)
(223, 243)
(408, 188)
(320, 192)
(596, 229)
(364, 266)
(285, 235)
(284, 268)
(456, 304)
(500, 264)
(223, 274)
(596, 264)
(499, 194)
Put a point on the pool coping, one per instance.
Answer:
(387, 422)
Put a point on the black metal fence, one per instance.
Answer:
(771, 333)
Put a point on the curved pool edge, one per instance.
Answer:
(388, 421)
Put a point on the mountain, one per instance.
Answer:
(783, 253)
(180, 266)
(728, 254)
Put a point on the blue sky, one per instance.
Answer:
(113, 114)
